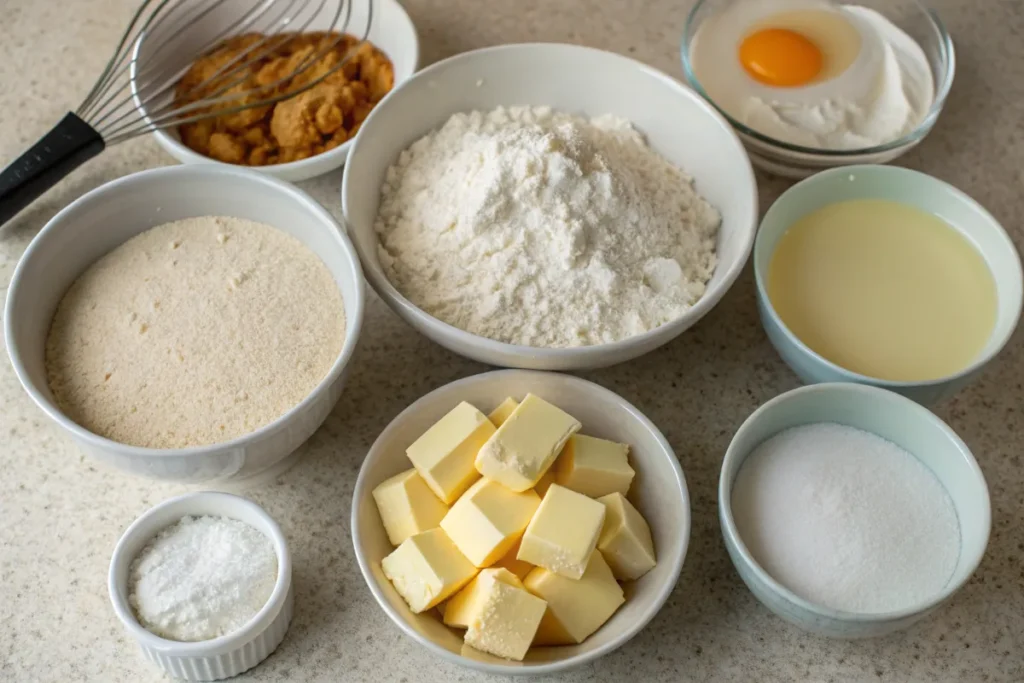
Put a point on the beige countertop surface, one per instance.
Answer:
(61, 514)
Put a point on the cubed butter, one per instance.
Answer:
(519, 453)
(500, 616)
(461, 607)
(594, 467)
(501, 413)
(563, 533)
(625, 541)
(513, 563)
(407, 506)
(546, 481)
(476, 655)
(488, 520)
(426, 569)
(575, 608)
(444, 455)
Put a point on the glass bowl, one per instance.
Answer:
(913, 17)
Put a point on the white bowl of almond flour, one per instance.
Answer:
(190, 324)
(548, 206)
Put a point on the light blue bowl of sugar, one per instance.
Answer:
(898, 420)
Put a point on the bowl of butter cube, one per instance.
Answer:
(520, 522)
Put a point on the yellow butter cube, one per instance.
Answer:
(500, 616)
(563, 533)
(478, 656)
(625, 541)
(488, 520)
(523, 448)
(461, 607)
(444, 455)
(546, 481)
(426, 569)
(575, 608)
(407, 506)
(501, 413)
(512, 563)
(594, 467)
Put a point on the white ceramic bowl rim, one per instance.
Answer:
(296, 166)
(656, 604)
(381, 283)
(228, 641)
(353, 318)
(975, 365)
(725, 503)
(920, 130)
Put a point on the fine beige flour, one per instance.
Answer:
(194, 332)
(536, 227)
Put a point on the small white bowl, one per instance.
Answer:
(658, 491)
(390, 29)
(106, 217)
(677, 123)
(229, 655)
(890, 416)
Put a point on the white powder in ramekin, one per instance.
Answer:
(202, 578)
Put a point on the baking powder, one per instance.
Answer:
(202, 578)
(534, 227)
(846, 519)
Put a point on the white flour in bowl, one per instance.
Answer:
(535, 227)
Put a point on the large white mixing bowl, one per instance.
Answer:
(677, 122)
(113, 213)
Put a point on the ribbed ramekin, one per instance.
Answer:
(230, 655)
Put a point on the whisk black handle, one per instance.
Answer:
(66, 147)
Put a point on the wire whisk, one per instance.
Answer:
(140, 90)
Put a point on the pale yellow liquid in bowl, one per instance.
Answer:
(884, 290)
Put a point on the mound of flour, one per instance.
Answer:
(534, 227)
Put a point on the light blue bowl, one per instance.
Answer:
(893, 417)
(908, 187)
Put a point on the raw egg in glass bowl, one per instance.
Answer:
(813, 84)
(781, 57)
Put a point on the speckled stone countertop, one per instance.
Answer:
(60, 514)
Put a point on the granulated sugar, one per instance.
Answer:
(202, 578)
(846, 519)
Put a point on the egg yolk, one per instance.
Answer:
(780, 57)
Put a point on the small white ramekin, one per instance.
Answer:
(230, 655)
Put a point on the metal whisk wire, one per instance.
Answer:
(138, 90)
(118, 120)
(92, 102)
